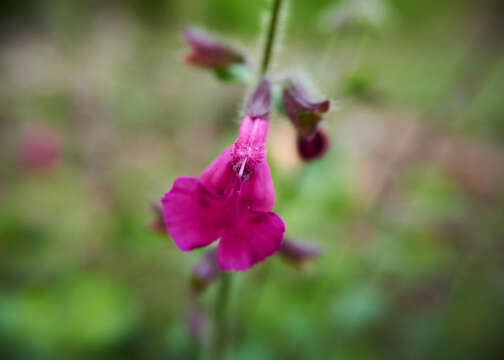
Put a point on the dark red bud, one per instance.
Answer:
(312, 147)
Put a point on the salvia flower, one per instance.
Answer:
(207, 53)
(232, 199)
(298, 254)
(306, 114)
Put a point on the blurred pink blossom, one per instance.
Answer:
(40, 148)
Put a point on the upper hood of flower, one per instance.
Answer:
(247, 155)
(304, 112)
(260, 101)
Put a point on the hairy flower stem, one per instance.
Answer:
(221, 333)
(270, 37)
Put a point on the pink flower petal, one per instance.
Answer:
(218, 177)
(257, 191)
(249, 240)
(253, 131)
(192, 216)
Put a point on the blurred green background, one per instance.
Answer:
(407, 206)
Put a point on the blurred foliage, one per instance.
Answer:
(82, 276)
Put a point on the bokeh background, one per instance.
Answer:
(98, 115)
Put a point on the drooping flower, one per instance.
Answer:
(229, 64)
(306, 114)
(232, 199)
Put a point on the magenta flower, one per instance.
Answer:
(306, 114)
(232, 199)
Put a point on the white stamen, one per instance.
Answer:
(242, 168)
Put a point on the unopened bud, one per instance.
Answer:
(205, 272)
(228, 63)
(158, 224)
(197, 323)
(298, 254)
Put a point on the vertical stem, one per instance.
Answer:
(270, 37)
(221, 334)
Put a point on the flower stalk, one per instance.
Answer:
(221, 333)
(271, 37)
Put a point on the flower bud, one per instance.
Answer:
(205, 272)
(227, 63)
(298, 254)
(306, 114)
(158, 225)
(197, 323)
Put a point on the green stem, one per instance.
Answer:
(221, 334)
(271, 36)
